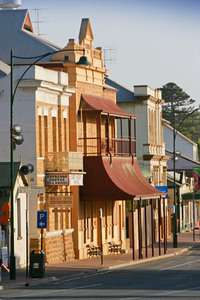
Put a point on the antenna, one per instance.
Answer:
(37, 17)
(107, 52)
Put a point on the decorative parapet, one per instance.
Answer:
(145, 90)
(64, 161)
(149, 149)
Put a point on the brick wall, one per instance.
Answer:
(56, 248)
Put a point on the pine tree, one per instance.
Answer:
(179, 102)
(175, 98)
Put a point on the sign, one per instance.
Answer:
(75, 179)
(31, 189)
(196, 172)
(62, 210)
(4, 252)
(3, 235)
(5, 213)
(42, 219)
(57, 179)
(163, 189)
(60, 201)
(172, 207)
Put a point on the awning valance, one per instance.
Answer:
(119, 180)
(103, 105)
(191, 196)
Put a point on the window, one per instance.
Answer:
(19, 233)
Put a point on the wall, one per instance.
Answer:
(185, 145)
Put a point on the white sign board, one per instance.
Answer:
(4, 251)
(75, 179)
(3, 235)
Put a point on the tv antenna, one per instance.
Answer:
(108, 53)
(37, 17)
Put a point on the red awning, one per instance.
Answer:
(103, 105)
(120, 180)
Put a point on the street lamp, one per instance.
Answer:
(82, 62)
(176, 154)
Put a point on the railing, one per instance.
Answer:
(64, 161)
(103, 146)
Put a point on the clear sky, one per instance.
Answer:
(154, 41)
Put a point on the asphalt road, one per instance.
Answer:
(177, 278)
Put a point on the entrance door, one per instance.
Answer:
(99, 205)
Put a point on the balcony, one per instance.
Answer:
(64, 161)
(104, 146)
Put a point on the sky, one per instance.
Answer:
(153, 42)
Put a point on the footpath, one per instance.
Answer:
(79, 267)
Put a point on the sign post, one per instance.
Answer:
(41, 223)
(100, 215)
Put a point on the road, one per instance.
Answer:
(177, 277)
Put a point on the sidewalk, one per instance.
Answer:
(74, 267)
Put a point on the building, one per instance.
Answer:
(147, 104)
(94, 116)
(41, 107)
(21, 208)
(187, 147)
(67, 112)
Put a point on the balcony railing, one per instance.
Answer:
(64, 161)
(103, 146)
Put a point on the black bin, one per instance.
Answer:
(37, 264)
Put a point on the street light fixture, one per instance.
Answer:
(176, 154)
(83, 62)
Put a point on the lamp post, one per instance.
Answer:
(82, 62)
(176, 154)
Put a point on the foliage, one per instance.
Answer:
(175, 100)
(179, 104)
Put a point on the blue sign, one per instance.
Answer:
(163, 188)
(42, 219)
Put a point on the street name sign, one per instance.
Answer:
(31, 190)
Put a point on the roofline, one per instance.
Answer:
(187, 158)
(179, 133)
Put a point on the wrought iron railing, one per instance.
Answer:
(103, 146)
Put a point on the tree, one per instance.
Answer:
(175, 98)
(179, 104)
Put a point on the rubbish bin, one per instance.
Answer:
(37, 264)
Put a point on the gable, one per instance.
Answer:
(27, 23)
(85, 31)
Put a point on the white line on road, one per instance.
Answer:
(163, 294)
(177, 266)
(51, 291)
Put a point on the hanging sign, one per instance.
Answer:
(57, 179)
(75, 179)
(60, 201)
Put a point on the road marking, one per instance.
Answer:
(158, 295)
(174, 267)
(51, 291)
